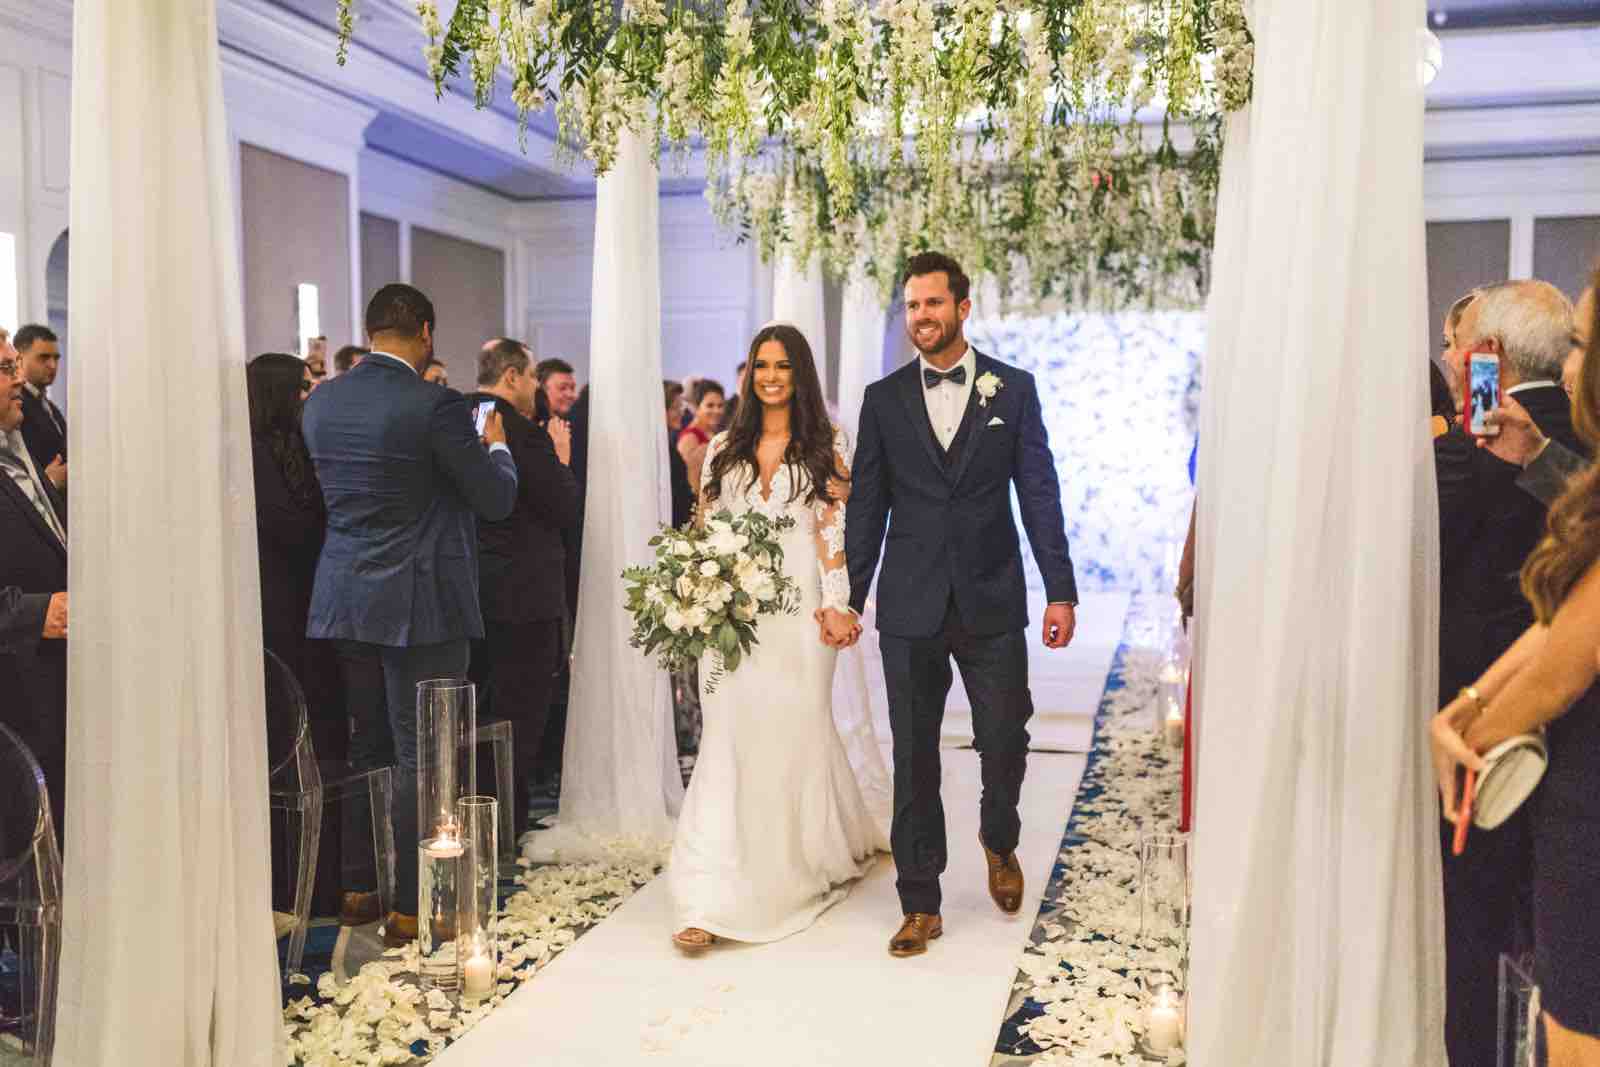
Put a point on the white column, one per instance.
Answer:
(167, 954)
(860, 348)
(797, 298)
(1316, 884)
(621, 775)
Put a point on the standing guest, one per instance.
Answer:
(434, 372)
(682, 491)
(558, 389)
(522, 584)
(731, 411)
(346, 358)
(33, 598)
(44, 427)
(402, 475)
(709, 400)
(1583, 315)
(1487, 528)
(1547, 680)
(317, 359)
(576, 426)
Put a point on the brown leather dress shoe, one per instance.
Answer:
(1005, 879)
(359, 909)
(918, 929)
(399, 930)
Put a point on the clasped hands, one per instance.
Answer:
(840, 629)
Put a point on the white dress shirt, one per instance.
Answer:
(947, 401)
(19, 466)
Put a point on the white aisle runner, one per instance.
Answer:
(831, 995)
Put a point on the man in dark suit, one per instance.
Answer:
(44, 427)
(33, 598)
(942, 442)
(522, 583)
(403, 474)
(1487, 528)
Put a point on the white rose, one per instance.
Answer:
(763, 588)
(725, 542)
(673, 620)
(695, 617)
(710, 569)
(682, 548)
(684, 587)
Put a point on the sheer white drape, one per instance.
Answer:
(167, 955)
(797, 298)
(620, 776)
(1318, 929)
(860, 348)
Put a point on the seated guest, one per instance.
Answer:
(692, 442)
(33, 598)
(44, 427)
(403, 474)
(433, 371)
(346, 358)
(682, 494)
(1487, 528)
(1548, 680)
(521, 573)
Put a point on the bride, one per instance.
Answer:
(774, 827)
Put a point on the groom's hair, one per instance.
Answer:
(934, 262)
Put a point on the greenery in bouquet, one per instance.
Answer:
(707, 588)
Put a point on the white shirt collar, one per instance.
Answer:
(1540, 384)
(397, 359)
(33, 390)
(969, 360)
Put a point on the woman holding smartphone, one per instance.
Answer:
(1548, 679)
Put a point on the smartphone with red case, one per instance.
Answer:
(1464, 812)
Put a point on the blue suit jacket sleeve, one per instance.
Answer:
(868, 511)
(486, 480)
(1039, 495)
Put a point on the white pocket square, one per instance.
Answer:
(997, 421)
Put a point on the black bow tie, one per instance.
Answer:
(955, 375)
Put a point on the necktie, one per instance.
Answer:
(932, 378)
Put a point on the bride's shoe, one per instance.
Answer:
(694, 939)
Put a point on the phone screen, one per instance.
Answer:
(1484, 375)
(481, 415)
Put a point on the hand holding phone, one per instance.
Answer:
(1482, 392)
(481, 415)
(1464, 811)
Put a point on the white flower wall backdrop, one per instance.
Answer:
(1121, 395)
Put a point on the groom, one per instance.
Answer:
(942, 441)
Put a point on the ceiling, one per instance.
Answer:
(387, 30)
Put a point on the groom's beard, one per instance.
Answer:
(942, 340)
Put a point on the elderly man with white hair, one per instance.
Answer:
(1488, 525)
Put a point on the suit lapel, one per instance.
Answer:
(911, 390)
(973, 434)
(31, 513)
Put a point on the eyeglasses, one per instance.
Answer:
(8, 368)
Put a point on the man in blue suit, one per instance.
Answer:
(403, 474)
(943, 440)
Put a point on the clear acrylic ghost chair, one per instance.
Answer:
(499, 734)
(300, 786)
(30, 896)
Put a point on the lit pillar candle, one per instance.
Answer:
(1163, 1021)
(1173, 727)
(477, 976)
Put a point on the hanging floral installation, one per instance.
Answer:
(1066, 149)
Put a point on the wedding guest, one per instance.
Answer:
(317, 359)
(433, 371)
(682, 492)
(1487, 528)
(709, 400)
(1547, 680)
(1582, 317)
(403, 476)
(522, 583)
(577, 427)
(33, 597)
(558, 389)
(346, 358)
(44, 427)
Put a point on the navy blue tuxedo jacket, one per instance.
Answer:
(403, 475)
(948, 516)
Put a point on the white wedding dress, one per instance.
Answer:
(785, 808)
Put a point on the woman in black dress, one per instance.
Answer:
(1549, 679)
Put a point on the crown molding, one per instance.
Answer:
(42, 18)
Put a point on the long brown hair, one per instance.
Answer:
(810, 429)
(1572, 540)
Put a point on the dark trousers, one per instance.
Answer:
(918, 676)
(515, 667)
(400, 669)
(1487, 911)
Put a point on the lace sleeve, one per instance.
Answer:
(830, 516)
(715, 445)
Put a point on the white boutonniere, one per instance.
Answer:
(988, 384)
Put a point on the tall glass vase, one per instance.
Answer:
(446, 713)
(1164, 903)
(477, 902)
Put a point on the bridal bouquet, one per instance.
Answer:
(707, 588)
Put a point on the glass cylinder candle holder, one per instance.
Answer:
(477, 902)
(446, 711)
(1164, 897)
